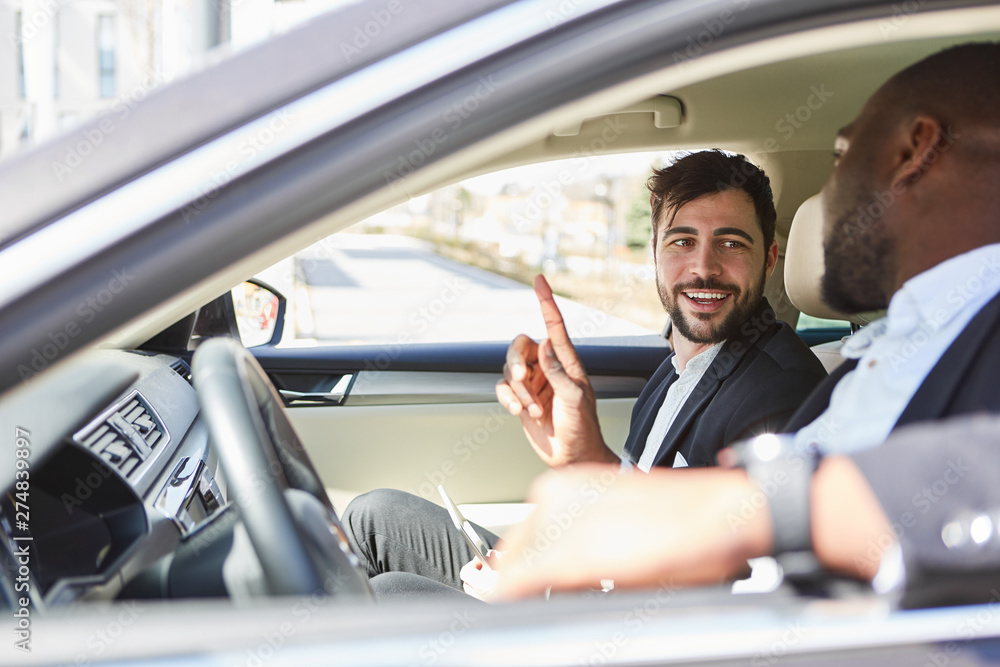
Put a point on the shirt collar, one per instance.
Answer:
(934, 297)
(941, 292)
(856, 344)
(699, 362)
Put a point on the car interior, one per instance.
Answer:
(142, 446)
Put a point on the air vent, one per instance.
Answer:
(126, 436)
(181, 368)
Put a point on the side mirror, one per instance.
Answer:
(260, 313)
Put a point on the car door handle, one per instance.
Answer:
(335, 396)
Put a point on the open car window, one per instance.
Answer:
(457, 264)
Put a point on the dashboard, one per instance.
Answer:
(121, 477)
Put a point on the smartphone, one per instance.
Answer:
(471, 536)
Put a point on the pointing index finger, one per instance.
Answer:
(556, 328)
(554, 324)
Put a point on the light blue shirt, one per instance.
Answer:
(897, 352)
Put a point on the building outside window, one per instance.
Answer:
(20, 55)
(106, 55)
(55, 55)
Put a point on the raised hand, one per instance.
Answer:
(546, 386)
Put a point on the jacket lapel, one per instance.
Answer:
(819, 399)
(935, 393)
(703, 392)
(728, 359)
(639, 431)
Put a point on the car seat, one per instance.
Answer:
(804, 268)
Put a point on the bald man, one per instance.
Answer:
(912, 224)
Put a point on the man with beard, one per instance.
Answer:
(912, 224)
(735, 370)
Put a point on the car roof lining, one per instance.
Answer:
(810, 58)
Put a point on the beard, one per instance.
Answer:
(857, 254)
(744, 305)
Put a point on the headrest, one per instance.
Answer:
(804, 265)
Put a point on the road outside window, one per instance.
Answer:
(457, 264)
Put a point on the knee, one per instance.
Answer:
(375, 501)
(364, 510)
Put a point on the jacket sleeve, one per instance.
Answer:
(937, 483)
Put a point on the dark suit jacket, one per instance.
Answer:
(926, 476)
(966, 379)
(753, 386)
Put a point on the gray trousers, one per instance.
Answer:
(408, 544)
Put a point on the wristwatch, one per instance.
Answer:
(783, 473)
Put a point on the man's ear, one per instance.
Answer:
(921, 144)
(770, 260)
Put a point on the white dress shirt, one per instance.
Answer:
(677, 395)
(897, 352)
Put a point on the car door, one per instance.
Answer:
(415, 416)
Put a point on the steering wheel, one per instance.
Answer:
(291, 523)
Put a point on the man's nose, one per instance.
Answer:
(706, 262)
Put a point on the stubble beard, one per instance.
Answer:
(857, 254)
(745, 303)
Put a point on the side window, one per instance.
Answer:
(815, 330)
(457, 264)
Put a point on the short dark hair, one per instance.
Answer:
(960, 83)
(710, 172)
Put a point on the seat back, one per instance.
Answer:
(804, 268)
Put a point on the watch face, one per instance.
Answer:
(782, 473)
(771, 446)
